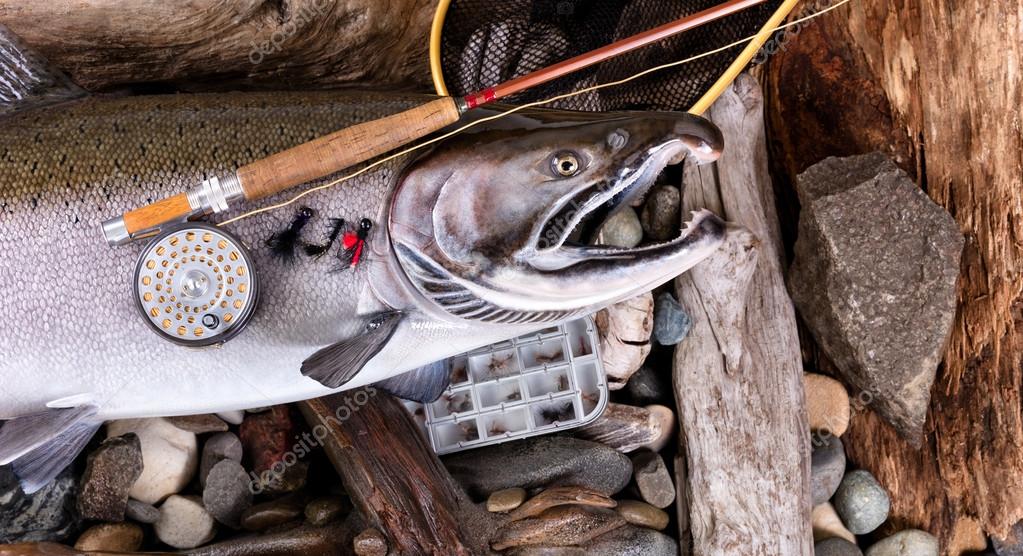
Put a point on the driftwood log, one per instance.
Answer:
(744, 463)
(935, 84)
(393, 477)
(226, 44)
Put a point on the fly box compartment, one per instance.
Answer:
(547, 381)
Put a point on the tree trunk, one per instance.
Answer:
(937, 85)
(744, 484)
(224, 44)
(393, 476)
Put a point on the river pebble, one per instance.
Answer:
(170, 457)
(861, 502)
(836, 547)
(622, 229)
(642, 514)
(220, 446)
(506, 500)
(184, 522)
(911, 542)
(671, 322)
(827, 404)
(827, 467)
(661, 216)
(141, 512)
(323, 510)
(111, 537)
(227, 493)
(653, 480)
(370, 543)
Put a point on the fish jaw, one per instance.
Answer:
(487, 227)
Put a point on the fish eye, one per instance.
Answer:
(565, 164)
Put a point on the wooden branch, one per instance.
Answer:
(393, 476)
(926, 82)
(221, 44)
(744, 482)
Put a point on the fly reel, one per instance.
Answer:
(195, 285)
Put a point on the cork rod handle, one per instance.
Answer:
(328, 154)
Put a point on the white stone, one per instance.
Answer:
(169, 457)
(232, 417)
(184, 523)
(827, 524)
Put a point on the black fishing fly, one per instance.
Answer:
(316, 250)
(282, 244)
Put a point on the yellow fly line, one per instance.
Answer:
(702, 104)
(762, 36)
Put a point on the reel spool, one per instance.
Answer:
(195, 285)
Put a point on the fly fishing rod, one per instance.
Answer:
(350, 146)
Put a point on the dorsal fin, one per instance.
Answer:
(27, 81)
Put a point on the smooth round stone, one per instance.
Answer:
(653, 479)
(671, 322)
(141, 512)
(648, 386)
(506, 500)
(271, 514)
(861, 502)
(632, 541)
(170, 457)
(836, 547)
(370, 543)
(111, 537)
(827, 404)
(199, 424)
(184, 522)
(220, 446)
(661, 216)
(232, 417)
(826, 524)
(227, 493)
(324, 510)
(911, 542)
(642, 514)
(622, 229)
(827, 467)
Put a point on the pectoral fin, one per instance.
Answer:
(336, 364)
(423, 385)
(41, 445)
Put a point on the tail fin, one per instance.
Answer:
(41, 445)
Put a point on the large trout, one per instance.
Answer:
(470, 245)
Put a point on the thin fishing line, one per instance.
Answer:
(512, 110)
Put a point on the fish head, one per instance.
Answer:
(494, 217)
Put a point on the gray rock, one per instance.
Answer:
(220, 446)
(911, 542)
(671, 322)
(141, 512)
(1012, 544)
(45, 515)
(622, 229)
(874, 277)
(861, 502)
(227, 492)
(647, 386)
(827, 467)
(836, 547)
(632, 541)
(661, 216)
(653, 479)
(540, 462)
(111, 471)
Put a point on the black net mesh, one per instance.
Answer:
(485, 43)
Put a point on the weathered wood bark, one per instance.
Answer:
(744, 485)
(393, 476)
(937, 84)
(224, 44)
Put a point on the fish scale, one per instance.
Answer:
(67, 169)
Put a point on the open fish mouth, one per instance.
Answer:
(560, 240)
